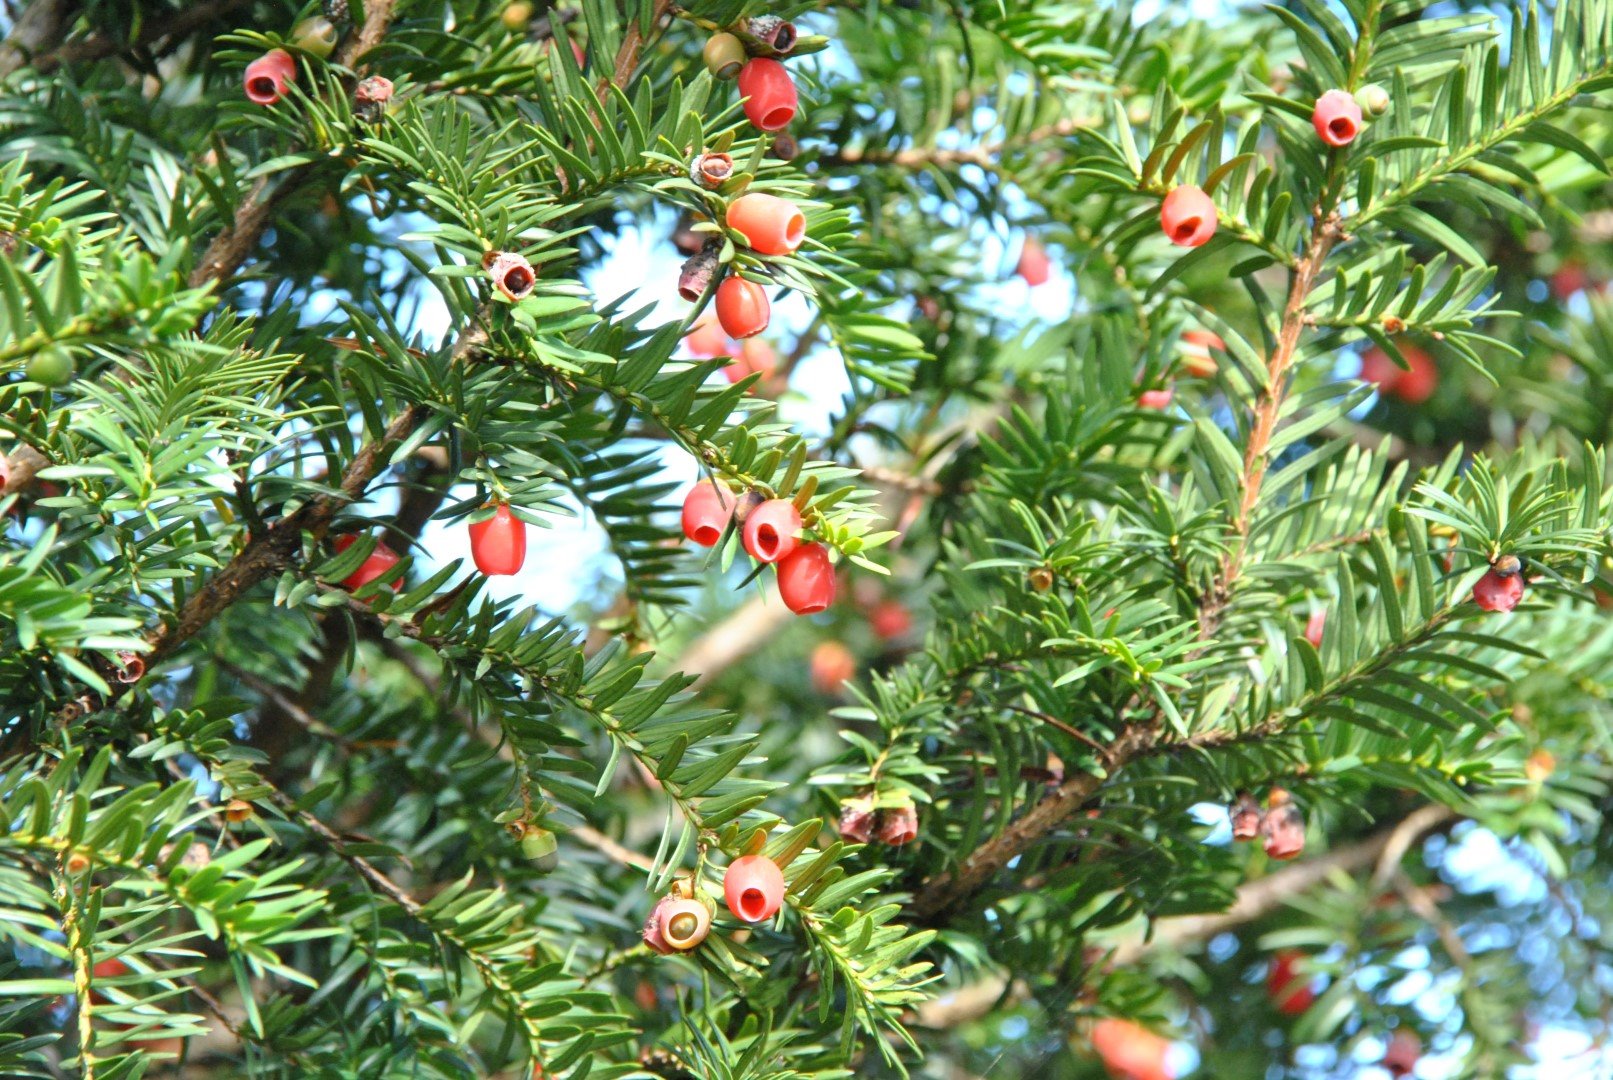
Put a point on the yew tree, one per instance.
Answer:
(1100, 534)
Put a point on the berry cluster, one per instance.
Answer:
(770, 530)
(753, 890)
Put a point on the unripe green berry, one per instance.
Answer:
(724, 55)
(316, 36)
(539, 845)
(51, 367)
(1373, 99)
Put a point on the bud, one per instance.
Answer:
(316, 36)
(1373, 99)
(711, 170)
(540, 846)
(773, 32)
(698, 270)
(724, 55)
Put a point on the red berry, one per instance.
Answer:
(706, 510)
(1413, 385)
(1034, 265)
(832, 666)
(769, 224)
(267, 76)
(1195, 347)
(1569, 279)
(707, 339)
(753, 888)
(376, 563)
(1130, 1051)
(498, 544)
(742, 307)
(772, 530)
(1154, 399)
(770, 99)
(755, 357)
(1401, 1056)
(890, 619)
(1188, 216)
(1337, 117)
(1498, 592)
(1314, 627)
(806, 580)
(1289, 988)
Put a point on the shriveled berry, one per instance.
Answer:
(857, 819)
(694, 278)
(1282, 831)
(512, 275)
(772, 31)
(1246, 816)
(898, 825)
(711, 170)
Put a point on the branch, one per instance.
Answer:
(230, 248)
(41, 26)
(159, 36)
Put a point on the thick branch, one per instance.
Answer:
(39, 28)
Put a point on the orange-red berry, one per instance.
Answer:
(1034, 265)
(1496, 591)
(1187, 215)
(769, 224)
(832, 665)
(376, 563)
(707, 339)
(742, 307)
(1130, 1051)
(498, 544)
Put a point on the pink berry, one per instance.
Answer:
(742, 307)
(707, 339)
(1130, 1051)
(1188, 216)
(1337, 118)
(1154, 399)
(1283, 828)
(772, 531)
(769, 224)
(755, 357)
(753, 887)
(1034, 265)
(770, 98)
(267, 76)
(706, 510)
(832, 666)
(890, 619)
(806, 580)
(1314, 626)
(1498, 592)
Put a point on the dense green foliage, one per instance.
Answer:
(283, 822)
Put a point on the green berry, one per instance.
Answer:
(51, 367)
(539, 845)
(1373, 99)
(724, 55)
